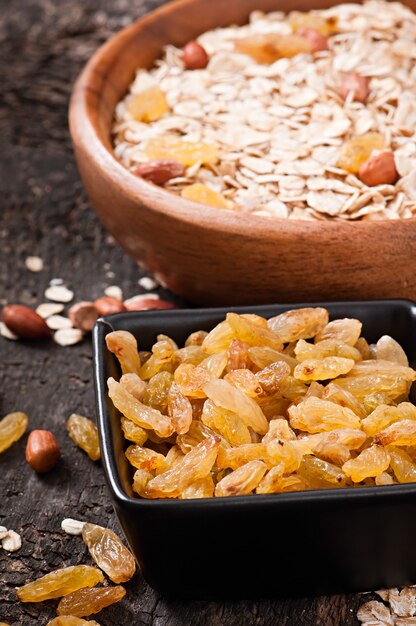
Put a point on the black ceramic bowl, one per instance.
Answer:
(259, 546)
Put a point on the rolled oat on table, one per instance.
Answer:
(301, 115)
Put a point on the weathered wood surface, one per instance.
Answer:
(44, 211)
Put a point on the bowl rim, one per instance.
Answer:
(84, 133)
(346, 494)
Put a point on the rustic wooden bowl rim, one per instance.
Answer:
(84, 131)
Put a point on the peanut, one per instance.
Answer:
(379, 169)
(107, 305)
(357, 84)
(25, 322)
(42, 451)
(317, 41)
(83, 315)
(148, 304)
(159, 171)
(195, 56)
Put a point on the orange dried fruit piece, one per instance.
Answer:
(269, 47)
(369, 463)
(241, 481)
(190, 380)
(356, 151)
(324, 25)
(272, 377)
(109, 552)
(86, 602)
(204, 195)
(60, 582)
(186, 152)
(245, 381)
(84, 434)
(323, 369)
(148, 105)
(12, 427)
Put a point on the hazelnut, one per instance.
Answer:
(195, 56)
(107, 305)
(379, 169)
(42, 451)
(357, 84)
(317, 40)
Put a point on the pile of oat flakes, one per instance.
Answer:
(280, 128)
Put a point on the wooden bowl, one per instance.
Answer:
(204, 254)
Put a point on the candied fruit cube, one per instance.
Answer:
(356, 151)
(203, 194)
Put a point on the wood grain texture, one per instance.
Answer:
(205, 254)
(44, 210)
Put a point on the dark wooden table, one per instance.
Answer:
(44, 211)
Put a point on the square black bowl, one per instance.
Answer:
(258, 546)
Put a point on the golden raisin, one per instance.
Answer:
(59, 583)
(108, 551)
(86, 602)
(205, 195)
(12, 427)
(84, 434)
(186, 152)
(269, 47)
(356, 151)
(148, 105)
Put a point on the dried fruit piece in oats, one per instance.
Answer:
(59, 583)
(356, 151)
(402, 465)
(109, 552)
(369, 463)
(228, 397)
(12, 427)
(242, 480)
(298, 323)
(186, 152)
(71, 620)
(124, 345)
(193, 466)
(401, 433)
(323, 369)
(86, 602)
(142, 415)
(228, 424)
(315, 415)
(84, 434)
(252, 333)
(148, 105)
(324, 25)
(204, 195)
(179, 409)
(268, 47)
